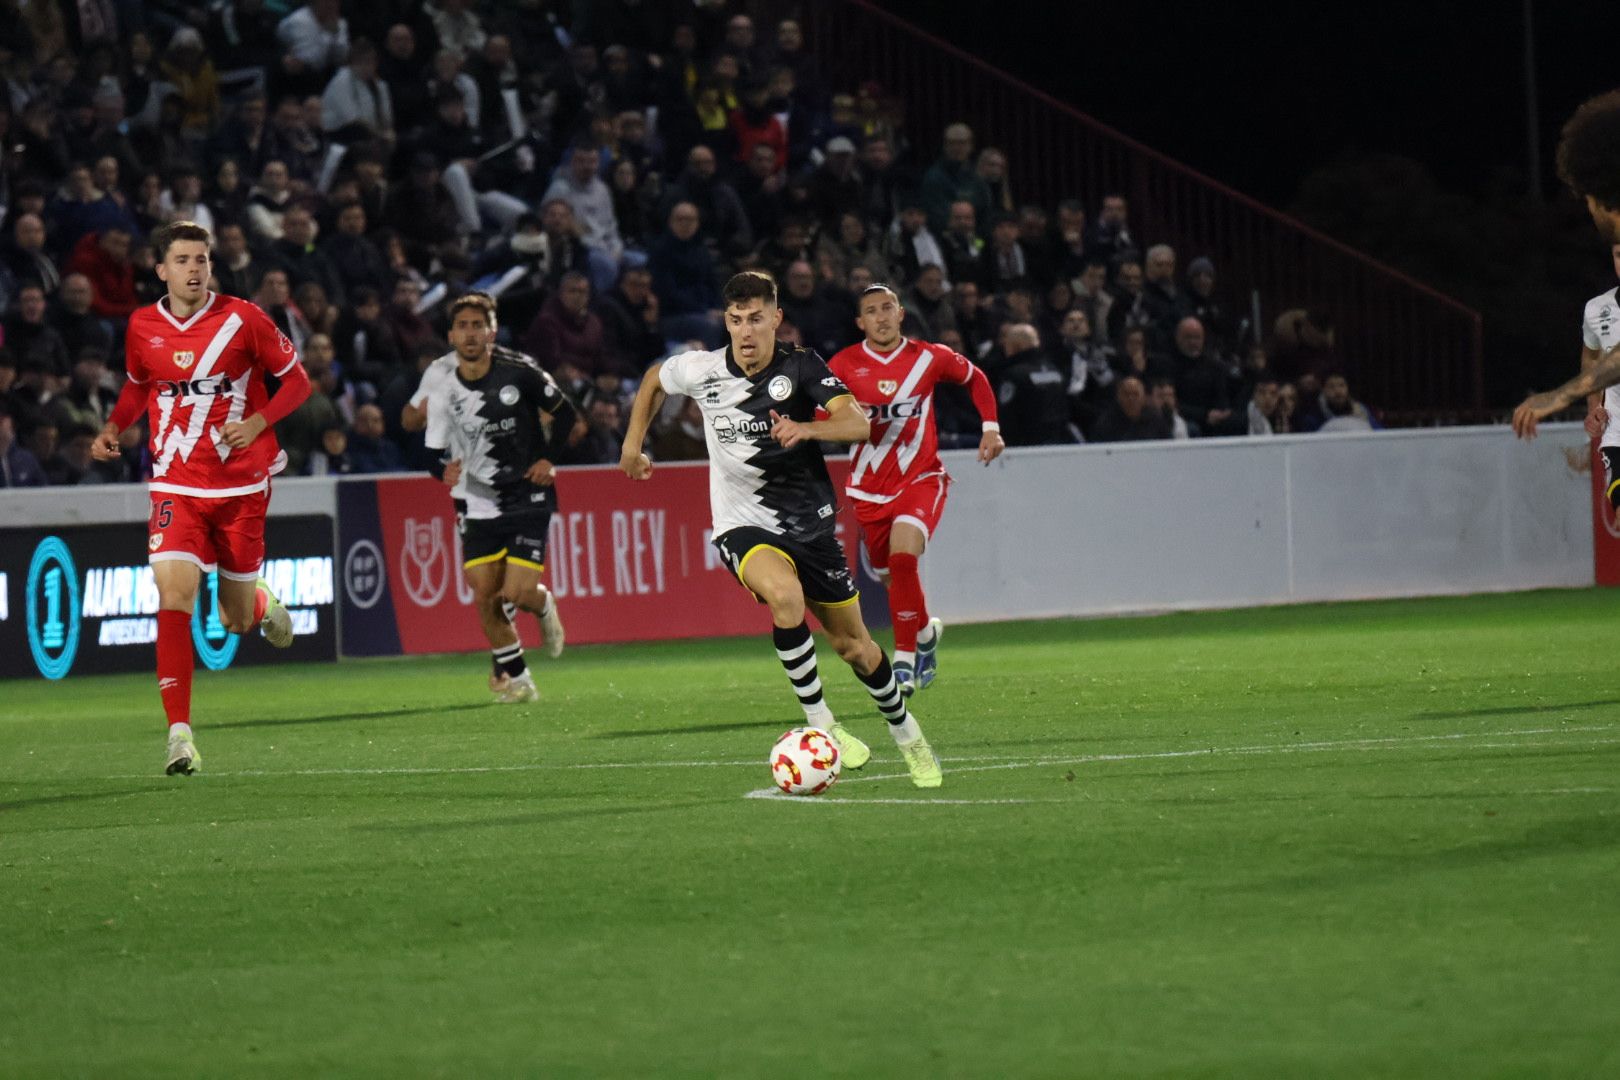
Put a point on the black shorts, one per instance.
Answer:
(1611, 474)
(517, 538)
(821, 564)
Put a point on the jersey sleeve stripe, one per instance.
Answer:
(289, 367)
(832, 403)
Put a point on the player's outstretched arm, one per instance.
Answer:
(846, 423)
(649, 399)
(1537, 407)
(991, 443)
(131, 403)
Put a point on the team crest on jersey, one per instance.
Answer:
(184, 360)
(780, 388)
(509, 395)
(154, 542)
(887, 387)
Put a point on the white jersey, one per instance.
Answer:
(437, 372)
(753, 479)
(1600, 330)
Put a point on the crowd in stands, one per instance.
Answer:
(601, 168)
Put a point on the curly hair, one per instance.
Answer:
(1589, 150)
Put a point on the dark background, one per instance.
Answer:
(1399, 128)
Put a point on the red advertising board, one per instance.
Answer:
(1605, 534)
(628, 561)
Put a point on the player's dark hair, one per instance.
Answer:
(483, 302)
(877, 287)
(165, 235)
(750, 285)
(1589, 150)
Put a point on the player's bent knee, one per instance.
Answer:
(848, 647)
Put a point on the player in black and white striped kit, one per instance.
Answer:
(488, 416)
(773, 503)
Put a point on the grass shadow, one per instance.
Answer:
(339, 718)
(1515, 710)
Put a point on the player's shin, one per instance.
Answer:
(907, 607)
(891, 703)
(797, 651)
(175, 660)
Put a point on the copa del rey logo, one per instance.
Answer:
(424, 564)
(185, 359)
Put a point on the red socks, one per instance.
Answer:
(907, 607)
(174, 664)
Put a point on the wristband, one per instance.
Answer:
(991, 425)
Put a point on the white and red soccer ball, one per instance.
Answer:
(805, 761)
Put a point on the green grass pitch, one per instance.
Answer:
(1354, 840)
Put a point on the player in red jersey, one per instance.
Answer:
(197, 362)
(896, 478)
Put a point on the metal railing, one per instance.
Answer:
(1405, 345)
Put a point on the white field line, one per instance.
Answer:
(1000, 761)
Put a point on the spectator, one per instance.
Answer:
(1005, 263)
(954, 179)
(400, 67)
(604, 433)
(1303, 343)
(1263, 414)
(835, 186)
(1091, 293)
(683, 274)
(1110, 236)
(245, 138)
(30, 338)
(316, 40)
(1164, 302)
(1221, 328)
(331, 458)
(236, 272)
(929, 315)
(1128, 310)
(365, 345)
(19, 468)
(632, 205)
(80, 209)
(722, 222)
(1288, 406)
(682, 438)
(1163, 393)
(567, 251)
(1090, 369)
(1202, 380)
(300, 433)
(824, 323)
(629, 314)
(790, 244)
(1131, 418)
(591, 201)
(318, 312)
(369, 449)
(423, 212)
(294, 141)
(992, 169)
(297, 254)
(269, 200)
(353, 256)
(849, 246)
(45, 441)
(566, 337)
(754, 123)
(182, 200)
(911, 246)
(273, 296)
(25, 260)
(1032, 392)
(357, 103)
(964, 250)
(228, 201)
(80, 327)
(1068, 244)
(455, 25)
(402, 318)
(187, 67)
(1336, 410)
(881, 182)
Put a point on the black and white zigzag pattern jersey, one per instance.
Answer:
(754, 480)
(493, 427)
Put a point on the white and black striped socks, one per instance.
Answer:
(509, 659)
(797, 651)
(891, 702)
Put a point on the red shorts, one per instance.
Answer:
(921, 503)
(224, 533)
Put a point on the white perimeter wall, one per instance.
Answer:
(1089, 530)
(1236, 522)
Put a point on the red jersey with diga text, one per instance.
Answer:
(897, 392)
(201, 374)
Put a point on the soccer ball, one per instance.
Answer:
(805, 761)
